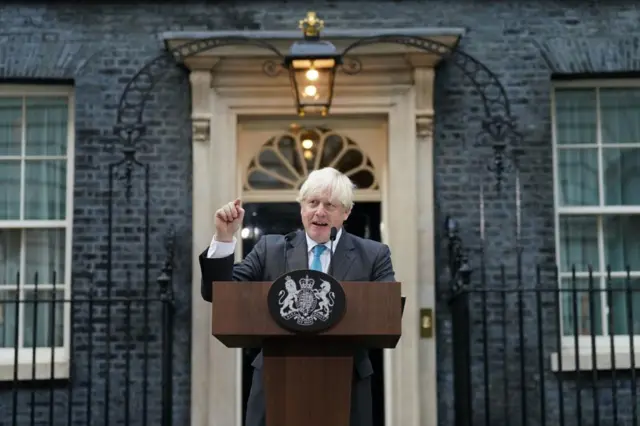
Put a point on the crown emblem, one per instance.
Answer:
(311, 26)
(306, 283)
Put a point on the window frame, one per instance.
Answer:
(43, 356)
(603, 344)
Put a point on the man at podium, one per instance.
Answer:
(326, 199)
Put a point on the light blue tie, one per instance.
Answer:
(316, 265)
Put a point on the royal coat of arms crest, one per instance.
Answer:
(306, 300)
(305, 304)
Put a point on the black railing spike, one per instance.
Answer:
(163, 280)
(465, 270)
(459, 266)
(166, 274)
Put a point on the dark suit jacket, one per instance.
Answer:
(355, 259)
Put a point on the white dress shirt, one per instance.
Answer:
(219, 249)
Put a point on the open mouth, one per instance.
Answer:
(321, 224)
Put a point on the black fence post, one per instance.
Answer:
(165, 280)
(460, 271)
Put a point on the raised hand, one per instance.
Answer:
(228, 220)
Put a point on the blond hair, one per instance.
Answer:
(328, 179)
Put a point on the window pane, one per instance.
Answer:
(9, 256)
(575, 115)
(620, 300)
(579, 301)
(622, 176)
(578, 177)
(579, 243)
(8, 318)
(9, 189)
(260, 180)
(10, 126)
(620, 115)
(44, 318)
(46, 126)
(45, 189)
(272, 161)
(622, 242)
(45, 255)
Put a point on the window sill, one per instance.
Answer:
(42, 371)
(38, 366)
(602, 358)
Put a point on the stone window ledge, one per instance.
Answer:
(42, 371)
(603, 358)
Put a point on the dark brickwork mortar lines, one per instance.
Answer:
(101, 46)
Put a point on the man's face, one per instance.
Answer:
(319, 213)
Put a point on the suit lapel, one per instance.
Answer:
(297, 254)
(343, 256)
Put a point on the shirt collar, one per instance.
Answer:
(311, 244)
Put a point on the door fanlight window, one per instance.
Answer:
(285, 161)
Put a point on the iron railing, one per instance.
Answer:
(98, 359)
(521, 358)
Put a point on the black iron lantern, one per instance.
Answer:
(312, 65)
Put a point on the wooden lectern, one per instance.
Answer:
(307, 376)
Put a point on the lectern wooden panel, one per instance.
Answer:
(307, 383)
(307, 376)
(240, 318)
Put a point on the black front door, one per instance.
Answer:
(282, 218)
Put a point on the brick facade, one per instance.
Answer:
(100, 47)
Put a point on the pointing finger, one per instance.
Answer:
(222, 215)
(230, 208)
(227, 213)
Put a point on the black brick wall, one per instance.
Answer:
(101, 46)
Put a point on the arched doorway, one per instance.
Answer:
(275, 158)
